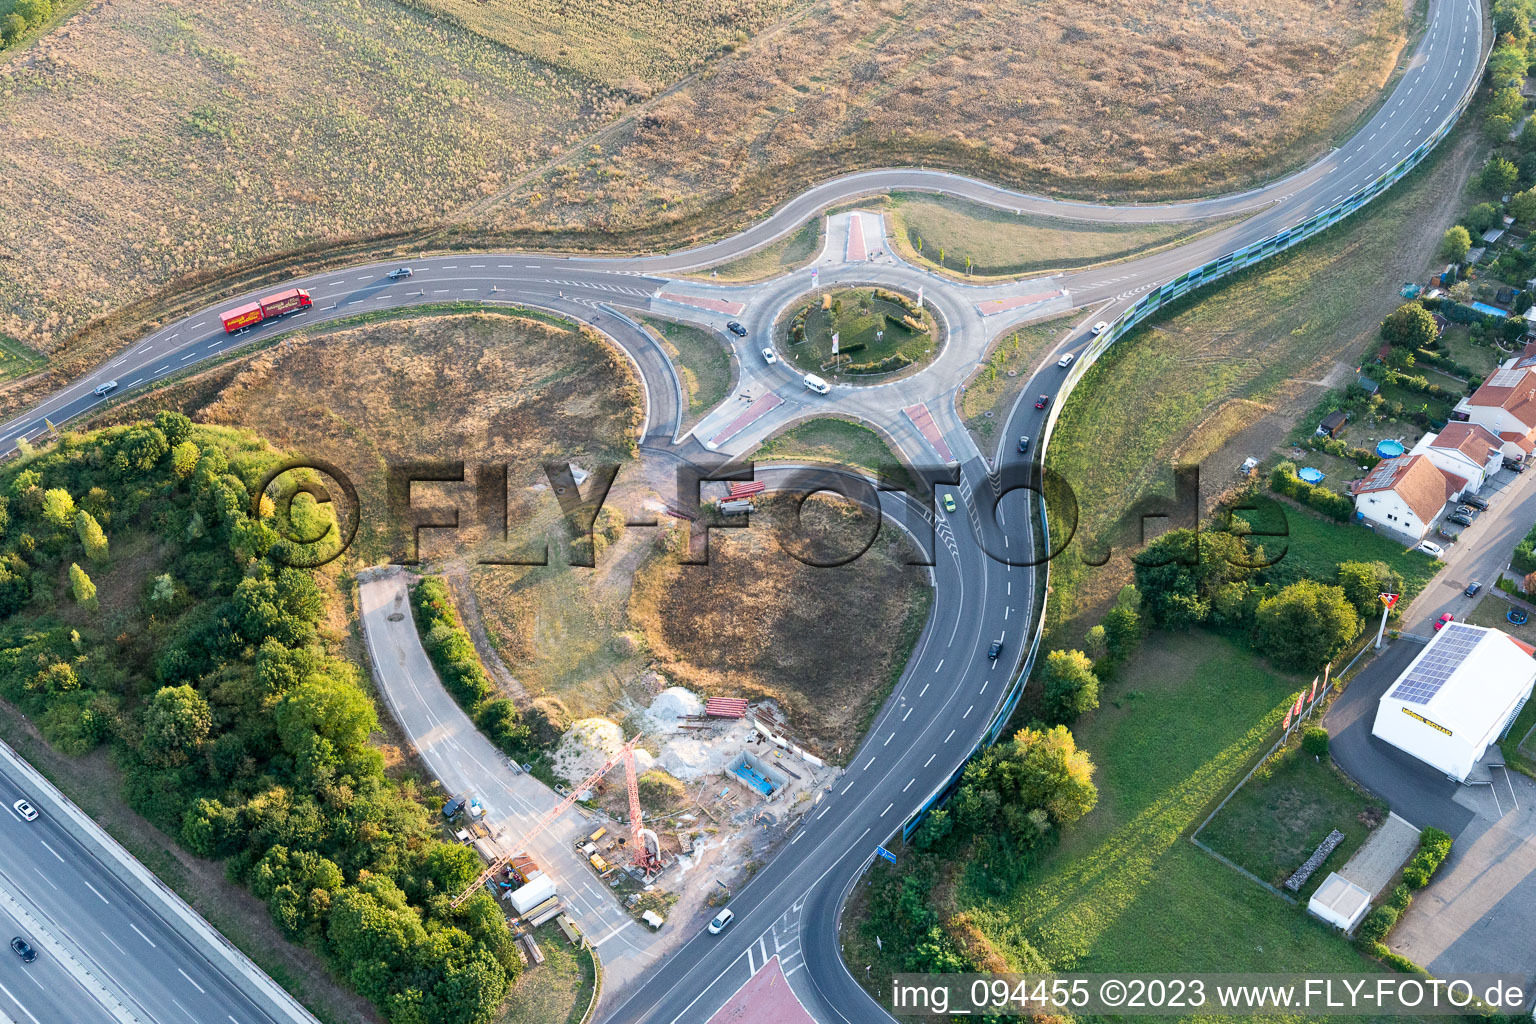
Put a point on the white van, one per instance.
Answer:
(817, 385)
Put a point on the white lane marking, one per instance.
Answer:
(846, 788)
(871, 761)
(146, 938)
(923, 690)
(194, 984)
(950, 736)
(968, 712)
(795, 840)
(907, 715)
(887, 810)
(825, 809)
(189, 355)
(888, 740)
(115, 946)
(51, 850)
(133, 382)
(18, 1003)
(938, 666)
(97, 891)
(1006, 610)
(48, 880)
(908, 785)
(930, 760)
(983, 687)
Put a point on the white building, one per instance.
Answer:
(1463, 450)
(1405, 495)
(1458, 696)
(1340, 902)
(1505, 406)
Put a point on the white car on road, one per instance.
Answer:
(1100, 327)
(722, 919)
(102, 389)
(26, 810)
(769, 356)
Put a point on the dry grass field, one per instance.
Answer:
(477, 387)
(152, 143)
(826, 643)
(1131, 100)
(150, 139)
(635, 47)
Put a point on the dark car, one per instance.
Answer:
(736, 329)
(1024, 443)
(995, 649)
(1473, 588)
(22, 948)
(1458, 519)
(399, 272)
(1476, 502)
(1042, 401)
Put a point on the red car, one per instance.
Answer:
(1442, 620)
(1040, 402)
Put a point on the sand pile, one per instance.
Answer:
(670, 705)
(587, 744)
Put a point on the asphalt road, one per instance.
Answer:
(947, 695)
(81, 911)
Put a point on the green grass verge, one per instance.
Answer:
(795, 249)
(703, 364)
(1125, 891)
(1315, 546)
(556, 991)
(994, 387)
(17, 360)
(944, 232)
(835, 440)
(1277, 820)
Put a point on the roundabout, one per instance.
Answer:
(951, 697)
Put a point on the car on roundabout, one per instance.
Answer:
(736, 329)
(769, 356)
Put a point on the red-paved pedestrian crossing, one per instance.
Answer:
(992, 306)
(756, 411)
(698, 302)
(922, 419)
(857, 252)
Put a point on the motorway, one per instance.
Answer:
(105, 952)
(947, 697)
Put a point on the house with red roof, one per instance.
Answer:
(1406, 495)
(1465, 450)
(1505, 406)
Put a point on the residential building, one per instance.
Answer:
(1464, 450)
(1405, 495)
(1505, 406)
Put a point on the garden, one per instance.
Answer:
(860, 332)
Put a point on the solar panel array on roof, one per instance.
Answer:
(1439, 661)
(1507, 377)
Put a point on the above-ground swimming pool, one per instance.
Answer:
(1487, 310)
(1310, 475)
(1390, 449)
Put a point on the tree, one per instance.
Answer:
(184, 459)
(34, 12)
(1305, 624)
(1056, 776)
(1455, 243)
(12, 26)
(1122, 624)
(173, 425)
(175, 723)
(1096, 644)
(1481, 217)
(1070, 687)
(1409, 326)
(1178, 574)
(1498, 175)
(91, 536)
(81, 587)
(1522, 206)
(58, 508)
(1364, 581)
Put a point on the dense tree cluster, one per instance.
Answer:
(238, 730)
(453, 654)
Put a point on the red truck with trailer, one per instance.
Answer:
(267, 308)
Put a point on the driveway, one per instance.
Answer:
(1481, 553)
(465, 762)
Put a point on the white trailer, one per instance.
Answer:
(532, 894)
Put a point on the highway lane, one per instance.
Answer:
(126, 945)
(42, 992)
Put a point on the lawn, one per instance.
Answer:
(1286, 810)
(16, 359)
(838, 441)
(1313, 547)
(795, 249)
(1456, 343)
(981, 241)
(1227, 374)
(873, 337)
(703, 364)
(988, 396)
(556, 991)
(1125, 891)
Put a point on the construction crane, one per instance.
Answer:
(646, 860)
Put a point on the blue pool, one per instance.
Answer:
(752, 777)
(1389, 449)
(1310, 475)
(1484, 308)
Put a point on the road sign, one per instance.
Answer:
(887, 854)
(1389, 600)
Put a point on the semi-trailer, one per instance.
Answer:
(267, 308)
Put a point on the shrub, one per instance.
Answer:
(1377, 924)
(1315, 741)
(1434, 847)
